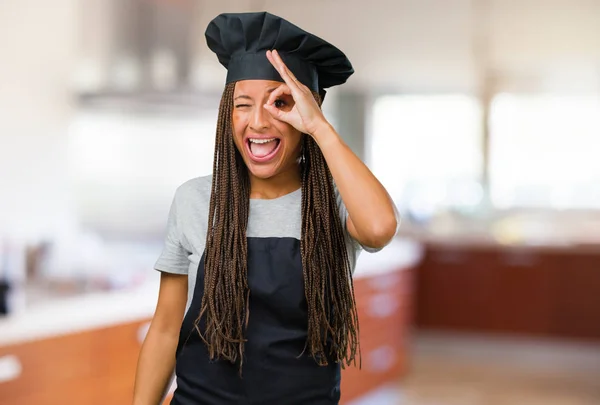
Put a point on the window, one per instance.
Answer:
(127, 166)
(426, 150)
(544, 151)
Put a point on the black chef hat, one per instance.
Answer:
(241, 40)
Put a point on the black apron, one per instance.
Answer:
(274, 371)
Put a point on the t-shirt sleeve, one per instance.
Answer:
(174, 257)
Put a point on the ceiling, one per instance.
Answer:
(395, 45)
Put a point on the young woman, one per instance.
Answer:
(258, 259)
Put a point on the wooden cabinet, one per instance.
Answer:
(576, 308)
(94, 367)
(456, 288)
(384, 306)
(539, 291)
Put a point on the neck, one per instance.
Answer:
(276, 186)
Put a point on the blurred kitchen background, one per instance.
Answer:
(481, 117)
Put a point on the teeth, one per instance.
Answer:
(261, 140)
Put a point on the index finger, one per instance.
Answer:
(287, 76)
(282, 90)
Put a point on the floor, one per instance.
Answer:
(449, 369)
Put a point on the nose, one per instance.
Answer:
(260, 119)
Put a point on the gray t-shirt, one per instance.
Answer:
(188, 220)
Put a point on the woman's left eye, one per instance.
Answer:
(279, 103)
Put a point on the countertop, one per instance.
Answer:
(60, 316)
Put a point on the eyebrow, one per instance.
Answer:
(243, 96)
(271, 90)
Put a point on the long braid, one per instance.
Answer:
(225, 301)
(332, 314)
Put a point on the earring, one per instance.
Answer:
(301, 159)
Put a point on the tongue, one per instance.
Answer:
(262, 149)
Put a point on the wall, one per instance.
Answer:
(37, 43)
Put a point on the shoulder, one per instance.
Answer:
(192, 199)
(196, 189)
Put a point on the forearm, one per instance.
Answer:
(370, 208)
(155, 367)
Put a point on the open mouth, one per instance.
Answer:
(261, 149)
